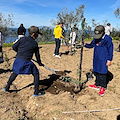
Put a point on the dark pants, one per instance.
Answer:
(58, 42)
(36, 82)
(119, 47)
(0, 48)
(100, 80)
(1, 55)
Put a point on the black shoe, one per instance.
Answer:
(41, 93)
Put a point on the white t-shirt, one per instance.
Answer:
(108, 30)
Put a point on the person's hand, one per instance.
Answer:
(80, 43)
(108, 63)
(41, 64)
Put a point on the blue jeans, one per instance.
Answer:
(57, 41)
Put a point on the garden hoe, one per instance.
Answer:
(54, 71)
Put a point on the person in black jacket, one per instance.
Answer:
(21, 31)
(25, 48)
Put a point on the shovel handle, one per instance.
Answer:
(47, 68)
(44, 66)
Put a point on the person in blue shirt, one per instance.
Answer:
(103, 55)
(25, 48)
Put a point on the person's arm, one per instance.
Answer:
(15, 46)
(91, 45)
(61, 36)
(37, 55)
(111, 29)
(110, 52)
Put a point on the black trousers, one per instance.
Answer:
(36, 82)
(100, 80)
(58, 42)
(0, 48)
(119, 47)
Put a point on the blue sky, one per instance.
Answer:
(41, 12)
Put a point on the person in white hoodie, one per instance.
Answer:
(73, 36)
(108, 29)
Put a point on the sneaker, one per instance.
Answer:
(53, 54)
(4, 89)
(102, 91)
(41, 93)
(57, 56)
(94, 87)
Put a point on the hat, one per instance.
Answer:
(99, 31)
(34, 29)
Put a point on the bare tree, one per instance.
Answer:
(6, 24)
(117, 13)
(70, 18)
(47, 34)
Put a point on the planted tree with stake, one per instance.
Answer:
(78, 87)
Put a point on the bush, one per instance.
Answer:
(115, 38)
(43, 43)
(7, 44)
(40, 43)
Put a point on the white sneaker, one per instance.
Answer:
(53, 54)
(57, 56)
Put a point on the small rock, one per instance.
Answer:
(54, 118)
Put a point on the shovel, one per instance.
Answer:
(54, 71)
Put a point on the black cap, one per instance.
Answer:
(99, 31)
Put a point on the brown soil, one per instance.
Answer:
(19, 103)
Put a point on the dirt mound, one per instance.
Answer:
(19, 103)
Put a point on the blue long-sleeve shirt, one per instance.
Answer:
(103, 52)
(25, 48)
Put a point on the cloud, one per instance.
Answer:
(32, 19)
(26, 18)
